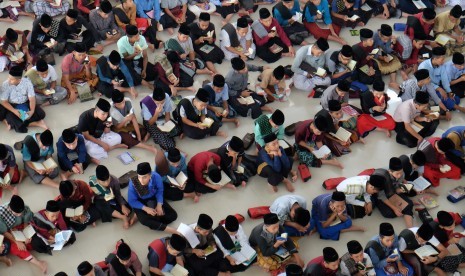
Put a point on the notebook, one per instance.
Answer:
(126, 157)
(419, 4)
(282, 254)
(61, 238)
(342, 134)
(457, 192)
(25, 234)
(321, 152)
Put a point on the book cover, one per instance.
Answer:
(428, 201)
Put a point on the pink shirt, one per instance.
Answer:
(70, 65)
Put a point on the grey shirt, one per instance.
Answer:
(331, 94)
(237, 82)
(305, 54)
(102, 25)
(410, 88)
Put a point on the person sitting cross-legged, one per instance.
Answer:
(72, 154)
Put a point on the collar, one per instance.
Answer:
(309, 52)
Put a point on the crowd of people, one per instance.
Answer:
(431, 88)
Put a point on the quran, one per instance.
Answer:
(177, 270)
(127, 158)
(179, 181)
(275, 48)
(443, 39)
(428, 201)
(50, 91)
(206, 48)
(342, 134)
(419, 4)
(354, 17)
(351, 65)
(321, 152)
(46, 165)
(16, 56)
(425, 251)
(420, 184)
(245, 256)
(25, 234)
(56, 3)
(5, 181)
(70, 212)
(320, 72)
(246, 100)
(209, 250)
(282, 254)
(207, 122)
(166, 127)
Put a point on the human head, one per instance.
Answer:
(231, 224)
(52, 210)
(201, 99)
(319, 125)
(3, 152)
(375, 184)
(330, 258)
(455, 13)
(236, 145)
(101, 109)
(69, 138)
(174, 156)
(458, 60)
(16, 205)
(80, 52)
(424, 233)
(123, 253)
(158, 96)
(132, 33)
(438, 56)
(421, 100)
(335, 109)
(105, 9)
(288, 4)
(429, 15)
(385, 33)
(11, 35)
(446, 220)
(422, 76)
(395, 167)
(118, 99)
(294, 269)
(378, 87)
(176, 245)
(103, 175)
(42, 68)
(204, 20)
(214, 173)
(444, 145)
(242, 27)
(271, 142)
(204, 224)
(338, 201)
(418, 159)
(218, 83)
(343, 87)
(66, 188)
(345, 55)
(15, 75)
(301, 216)
(355, 250)
(144, 173)
(278, 74)
(45, 22)
(184, 32)
(419, 40)
(366, 36)
(386, 234)
(45, 139)
(320, 47)
(71, 16)
(271, 222)
(85, 269)
(238, 65)
(277, 118)
(265, 17)
(114, 60)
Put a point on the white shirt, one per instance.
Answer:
(355, 188)
(283, 204)
(403, 244)
(51, 76)
(240, 237)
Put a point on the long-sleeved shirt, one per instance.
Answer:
(427, 28)
(282, 206)
(259, 135)
(262, 41)
(323, 7)
(320, 208)
(434, 72)
(449, 73)
(66, 31)
(456, 134)
(64, 152)
(84, 6)
(304, 54)
(331, 94)
(199, 164)
(239, 238)
(9, 161)
(379, 43)
(115, 187)
(410, 88)
(122, 67)
(433, 158)
(267, 78)
(43, 225)
(442, 23)
(102, 25)
(366, 261)
(380, 263)
(174, 171)
(264, 240)
(82, 194)
(155, 190)
(278, 164)
(283, 22)
(237, 82)
(9, 221)
(148, 5)
(355, 188)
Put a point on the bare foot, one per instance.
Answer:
(170, 31)
(236, 122)
(43, 266)
(14, 191)
(404, 75)
(133, 220)
(6, 261)
(387, 131)
(289, 185)
(394, 85)
(431, 191)
(294, 176)
(273, 188)
(230, 186)
(304, 43)
(221, 134)
(125, 223)
(243, 183)
(152, 47)
(196, 198)
(146, 137)
(94, 224)
(361, 140)
(8, 127)
(95, 161)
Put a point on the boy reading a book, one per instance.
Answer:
(156, 110)
(288, 14)
(366, 69)
(75, 201)
(309, 137)
(338, 92)
(267, 239)
(267, 124)
(329, 215)
(124, 260)
(383, 252)
(218, 108)
(293, 214)
(170, 247)
(273, 84)
(16, 216)
(204, 258)
(388, 62)
(413, 238)
(86, 269)
(457, 135)
(340, 63)
(447, 23)
(37, 149)
(412, 165)
(437, 165)
(443, 227)
(47, 223)
(356, 262)
(392, 201)
(145, 196)
(325, 265)
(72, 154)
(275, 165)
(8, 167)
(108, 199)
(231, 238)
(104, 23)
(358, 191)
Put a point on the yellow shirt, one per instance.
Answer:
(266, 80)
(442, 23)
(130, 11)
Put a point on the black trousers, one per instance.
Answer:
(225, 266)
(16, 123)
(87, 38)
(296, 32)
(243, 110)
(264, 52)
(458, 89)
(197, 133)
(404, 137)
(107, 88)
(456, 160)
(135, 69)
(63, 167)
(156, 222)
(167, 22)
(172, 193)
(193, 185)
(420, 268)
(40, 246)
(273, 177)
(208, 266)
(387, 212)
(151, 34)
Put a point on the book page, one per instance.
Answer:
(167, 127)
(420, 184)
(79, 210)
(29, 231)
(5, 181)
(50, 163)
(5, 4)
(351, 65)
(426, 250)
(173, 181)
(19, 236)
(420, 5)
(178, 270)
(321, 152)
(209, 250)
(282, 252)
(207, 122)
(320, 72)
(181, 178)
(354, 17)
(248, 251)
(239, 257)
(389, 58)
(246, 100)
(416, 126)
(342, 134)
(374, 51)
(1, 238)
(38, 166)
(189, 234)
(240, 169)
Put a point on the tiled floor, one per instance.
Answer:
(95, 243)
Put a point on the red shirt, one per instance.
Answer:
(426, 28)
(82, 192)
(199, 163)
(59, 224)
(279, 31)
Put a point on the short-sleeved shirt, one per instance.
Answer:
(267, 75)
(117, 114)
(223, 95)
(17, 94)
(182, 112)
(171, 4)
(442, 23)
(168, 107)
(124, 47)
(87, 122)
(224, 37)
(406, 112)
(42, 152)
(187, 46)
(51, 74)
(70, 66)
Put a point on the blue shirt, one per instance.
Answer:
(123, 68)
(323, 7)
(378, 43)
(450, 73)
(276, 14)
(63, 151)
(381, 263)
(148, 5)
(434, 72)
(43, 152)
(278, 164)
(174, 171)
(155, 192)
(460, 130)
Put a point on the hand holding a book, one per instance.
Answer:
(149, 211)
(199, 125)
(429, 259)
(391, 260)
(278, 243)
(81, 219)
(272, 34)
(198, 252)
(21, 245)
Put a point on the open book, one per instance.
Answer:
(1, 239)
(207, 122)
(207, 48)
(55, 3)
(297, 16)
(365, 69)
(275, 48)
(166, 127)
(172, 78)
(24, 235)
(349, 110)
(389, 57)
(354, 17)
(419, 4)
(177, 270)
(210, 33)
(351, 65)
(320, 72)
(209, 250)
(378, 118)
(70, 212)
(46, 165)
(5, 181)
(425, 251)
(342, 134)
(179, 181)
(420, 184)
(399, 202)
(61, 238)
(374, 51)
(224, 179)
(50, 91)
(321, 152)
(245, 256)
(416, 126)
(249, 52)
(246, 100)
(50, 43)
(16, 56)
(189, 234)
(443, 39)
